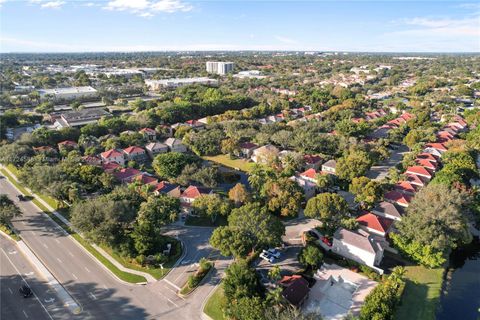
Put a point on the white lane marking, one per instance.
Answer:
(87, 269)
(105, 287)
(187, 268)
(176, 305)
(59, 260)
(45, 245)
(172, 284)
(56, 240)
(49, 300)
(11, 292)
(26, 315)
(29, 274)
(12, 252)
(93, 296)
(73, 274)
(71, 254)
(27, 283)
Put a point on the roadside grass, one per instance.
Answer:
(125, 276)
(158, 272)
(9, 231)
(205, 221)
(422, 293)
(213, 307)
(225, 160)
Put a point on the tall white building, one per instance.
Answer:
(219, 67)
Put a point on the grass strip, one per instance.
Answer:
(214, 305)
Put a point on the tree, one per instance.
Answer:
(8, 209)
(240, 281)
(325, 181)
(311, 256)
(282, 138)
(211, 205)
(238, 194)
(355, 164)
(247, 308)
(274, 273)
(283, 196)
(16, 154)
(171, 164)
(152, 216)
(437, 217)
(229, 146)
(366, 191)
(231, 242)
(329, 208)
(416, 136)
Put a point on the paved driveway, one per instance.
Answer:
(380, 171)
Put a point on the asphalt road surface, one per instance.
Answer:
(102, 296)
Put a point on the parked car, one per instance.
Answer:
(21, 197)
(25, 291)
(326, 241)
(267, 257)
(274, 253)
(313, 234)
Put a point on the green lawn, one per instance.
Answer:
(422, 293)
(213, 307)
(157, 273)
(15, 183)
(225, 160)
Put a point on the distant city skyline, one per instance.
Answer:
(178, 25)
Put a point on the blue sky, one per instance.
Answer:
(151, 25)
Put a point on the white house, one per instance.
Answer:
(154, 148)
(329, 167)
(175, 145)
(265, 154)
(113, 155)
(69, 93)
(358, 246)
(308, 186)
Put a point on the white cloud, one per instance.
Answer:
(53, 4)
(465, 26)
(148, 8)
(285, 40)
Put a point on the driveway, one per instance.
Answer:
(380, 171)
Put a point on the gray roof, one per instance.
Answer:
(84, 115)
(156, 145)
(387, 208)
(172, 141)
(356, 239)
(330, 164)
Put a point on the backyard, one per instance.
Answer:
(422, 293)
(225, 160)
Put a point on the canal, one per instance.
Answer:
(461, 291)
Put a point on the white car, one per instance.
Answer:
(274, 252)
(265, 256)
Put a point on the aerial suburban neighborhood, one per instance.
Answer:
(218, 183)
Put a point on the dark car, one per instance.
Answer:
(21, 197)
(313, 234)
(25, 291)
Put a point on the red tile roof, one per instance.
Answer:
(419, 170)
(133, 149)
(407, 116)
(436, 145)
(426, 163)
(416, 180)
(375, 222)
(113, 153)
(310, 173)
(126, 173)
(194, 192)
(405, 186)
(148, 130)
(398, 197)
(146, 179)
(69, 143)
(110, 166)
(427, 156)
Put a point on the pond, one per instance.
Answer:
(461, 291)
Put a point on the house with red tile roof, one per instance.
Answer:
(164, 187)
(406, 188)
(113, 155)
(309, 188)
(398, 198)
(144, 178)
(374, 224)
(416, 180)
(419, 171)
(435, 148)
(134, 153)
(126, 175)
(427, 156)
(427, 164)
(195, 124)
(149, 133)
(67, 145)
(190, 194)
(110, 167)
(407, 116)
(310, 175)
(92, 160)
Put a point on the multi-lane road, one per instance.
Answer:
(95, 289)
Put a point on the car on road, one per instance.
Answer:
(274, 253)
(327, 241)
(266, 256)
(25, 291)
(21, 197)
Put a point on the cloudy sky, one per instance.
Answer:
(151, 25)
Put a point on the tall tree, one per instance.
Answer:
(329, 208)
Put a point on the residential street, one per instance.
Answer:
(95, 289)
(380, 171)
